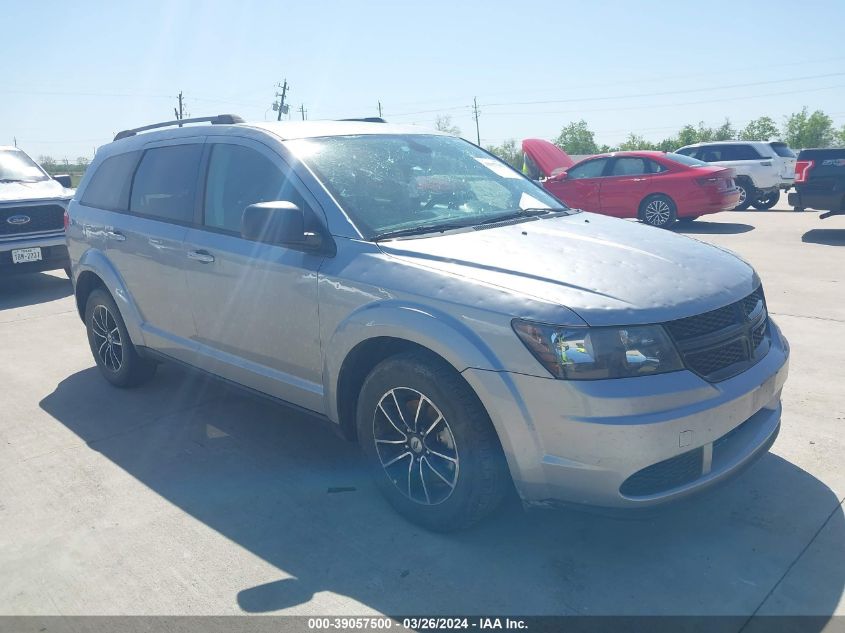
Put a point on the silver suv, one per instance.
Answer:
(470, 331)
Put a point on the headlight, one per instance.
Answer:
(586, 353)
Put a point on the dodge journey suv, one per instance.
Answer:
(466, 328)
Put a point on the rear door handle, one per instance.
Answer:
(116, 236)
(201, 256)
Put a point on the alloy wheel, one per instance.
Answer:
(743, 194)
(416, 446)
(657, 213)
(107, 338)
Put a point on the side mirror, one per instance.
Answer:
(277, 223)
(559, 176)
(63, 180)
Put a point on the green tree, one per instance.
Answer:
(508, 152)
(725, 132)
(443, 123)
(687, 136)
(47, 162)
(841, 137)
(801, 130)
(762, 129)
(82, 161)
(636, 142)
(576, 138)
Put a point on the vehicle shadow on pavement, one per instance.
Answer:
(289, 490)
(829, 237)
(24, 290)
(711, 228)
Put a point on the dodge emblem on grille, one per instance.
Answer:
(18, 219)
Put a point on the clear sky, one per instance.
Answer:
(74, 73)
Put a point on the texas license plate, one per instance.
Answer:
(23, 255)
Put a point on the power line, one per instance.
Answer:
(629, 96)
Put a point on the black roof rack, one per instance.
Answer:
(220, 119)
(367, 119)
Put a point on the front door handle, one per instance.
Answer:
(116, 236)
(201, 256)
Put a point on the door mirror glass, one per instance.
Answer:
(557, 176)
(277, 223)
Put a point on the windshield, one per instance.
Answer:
(389, 183)
(685, 160)
(16, 166)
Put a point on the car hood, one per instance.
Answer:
(25, 191)
(548, 156)
(608, 271)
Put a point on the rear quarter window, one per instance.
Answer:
(782, 149)
(110, 184)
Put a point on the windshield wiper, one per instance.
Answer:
(519, 213)
(419, 230)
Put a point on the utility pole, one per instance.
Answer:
(475, 114)
(181, 111)
(279, 105)
(16, 140)
(379, 109)
(302, 110)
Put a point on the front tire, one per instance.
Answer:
(113, 352)
(658, 210)
(429, 443)
(767, 201)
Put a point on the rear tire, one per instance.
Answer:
(429, 443)
(767, 201)
(746, 195)
(113, 351)
(658, 210)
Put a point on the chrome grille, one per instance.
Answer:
(726, 341)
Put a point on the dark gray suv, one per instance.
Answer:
(470, 331)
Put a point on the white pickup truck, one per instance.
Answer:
(32, 216)
(762, 168)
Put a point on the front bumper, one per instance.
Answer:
(53, 252)
(585, 442)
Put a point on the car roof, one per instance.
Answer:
(646, 153)
(734, 142)
(289, 130)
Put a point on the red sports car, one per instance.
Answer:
(656, 187)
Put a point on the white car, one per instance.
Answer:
(762, 168)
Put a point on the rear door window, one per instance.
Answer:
(629, 166)
(110, 184)
(166, 182)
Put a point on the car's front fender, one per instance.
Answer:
(443, 334)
